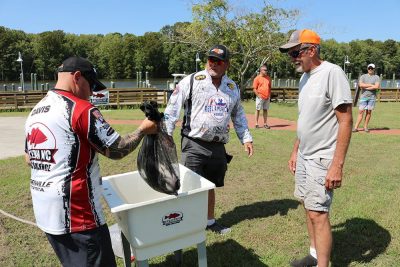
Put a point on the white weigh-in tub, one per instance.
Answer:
(155, 223)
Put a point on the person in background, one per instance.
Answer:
(64, 134)
(262, 90)
(210, 100)
(323, 137)
(369, 83)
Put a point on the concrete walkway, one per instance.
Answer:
(12, 137)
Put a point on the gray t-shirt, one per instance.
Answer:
(320, 92)
(372, 79)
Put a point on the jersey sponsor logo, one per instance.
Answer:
(41, 147)
(200, 77)
(231, 86)
(110, 131)
(98, 115)
(36, 137)
(172, 218)
(41, 166)
(44, 155)
(40, 185)
(217, 107)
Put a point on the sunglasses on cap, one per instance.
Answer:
(89, 77)
(215, 60)
(297, 53)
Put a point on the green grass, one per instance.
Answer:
(257, 202)
(385, 115)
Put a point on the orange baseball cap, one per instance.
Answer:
(301, 37)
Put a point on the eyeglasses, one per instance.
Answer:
(297, 53)
(215, 60)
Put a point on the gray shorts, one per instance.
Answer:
(310, 183)
(208, 159)
(262, 103)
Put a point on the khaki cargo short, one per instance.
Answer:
(310, 183)
(262, 103)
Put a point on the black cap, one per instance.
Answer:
(83, 65)
(219, 51)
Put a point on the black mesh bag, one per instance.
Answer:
(157, 159)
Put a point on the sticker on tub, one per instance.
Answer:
(172, 218)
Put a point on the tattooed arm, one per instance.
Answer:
(107, 141)
(124, 145)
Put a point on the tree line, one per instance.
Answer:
(252, 37)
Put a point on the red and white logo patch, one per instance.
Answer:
(172, 218)
(41, 143)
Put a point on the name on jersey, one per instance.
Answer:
(40, 110)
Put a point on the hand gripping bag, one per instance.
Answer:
(157, 159)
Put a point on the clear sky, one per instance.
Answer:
(342, 20)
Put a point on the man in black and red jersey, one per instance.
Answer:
(64, 134)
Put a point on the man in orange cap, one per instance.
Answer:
(323, 136)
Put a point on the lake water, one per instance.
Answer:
(163, 84)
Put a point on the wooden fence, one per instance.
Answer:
(291, 94)
(117, 98)
(120, 97)
(128, 97)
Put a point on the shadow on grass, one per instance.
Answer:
(280, 125)
(380, 128)
(228, 253)
(259, 210)
(358, 240)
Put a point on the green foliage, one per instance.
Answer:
(50, 49)
(252, 37)
(180, 55)
(110, 52)
(12, 42)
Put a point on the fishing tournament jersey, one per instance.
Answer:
(208, 115)
(62, 135)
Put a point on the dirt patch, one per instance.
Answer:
(276, 124)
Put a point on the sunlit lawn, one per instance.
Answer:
(257, 202)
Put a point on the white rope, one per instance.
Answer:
(16, 218)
